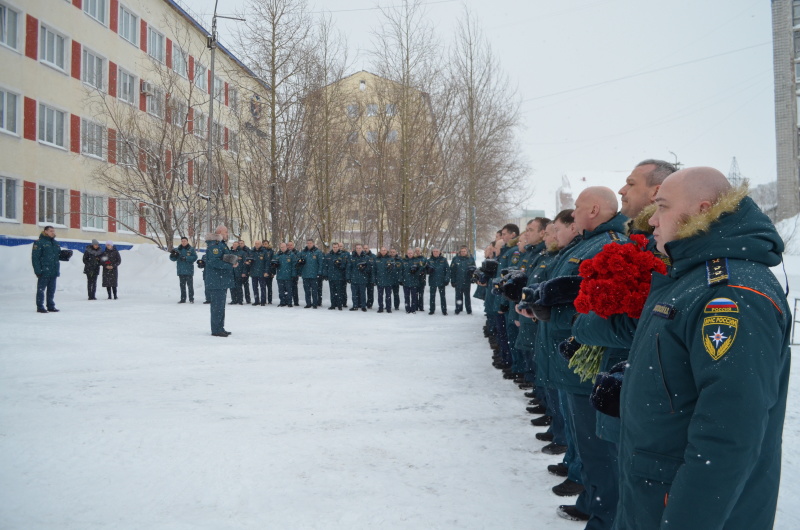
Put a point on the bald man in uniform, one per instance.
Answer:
(704, 396)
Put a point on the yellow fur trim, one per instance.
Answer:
(640, 222)
(729, 202)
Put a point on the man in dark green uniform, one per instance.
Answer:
(310, 271)
(47, 269)
(336, 271)
(185, 256)
(295, 274)
(359, 274)
(461, 278)
(704, 396)
(398, 272)
(384, 277)
(269, 254)
(285, 261)
(259, 263)
(439, 276)
(220, 267)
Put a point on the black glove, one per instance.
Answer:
(174, 253)
(430, 269)
(568, 348)
(561, 290)
(233, 259)
(607, 390)
(201, 264)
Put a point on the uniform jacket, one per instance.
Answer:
(440, 276)
(704, 397)
(44, 257)
(371, 257)
(243, 268)
(110, 258)
(360, 269)
(493, 301)
(409, 278)
(91, 260)
(459, 271)
(259, 262)
(336, 265)
(286, 265)
(527, 327)
(187, 257)
(218, 274)
(313, 266)
(384, 270)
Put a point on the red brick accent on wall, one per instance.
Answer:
(113, 19)
(74, 209)
(190, 171)
(29, 119)
(142, 220)
(77, 3)
(74, 133)
(112, 79)
(76, 59)
(29, 203)
(169, 53)
(191, 68)
(143, 37)
(111, 150)
(31, 37)
(112, 214)
(226, 94)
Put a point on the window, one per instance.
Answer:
(795, 13)
(92, 67)
(372, 137)
(51, 205)
(200, 125)
(233, 141)
(372, 109)
(219, 89)
(8, 26)
(126, 151)
(93, 211)
(51, 47)
(156, 45)
(8, 198)
(8, 111)
(391, 137)
(233, 98)
(152, 158)
(127, 215)
(180, 62)
(95, 9)
(51, 126)
(217, 131)
(352, 111)
(92, 138)
(127, 87)
(391, 109)
(201, 77)
(128, 26)
(179, 111)
(155, 102)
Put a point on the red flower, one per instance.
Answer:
(617, 279)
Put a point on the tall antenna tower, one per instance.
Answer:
(734, 175)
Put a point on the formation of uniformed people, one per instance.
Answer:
(681, 427)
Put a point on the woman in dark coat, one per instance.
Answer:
(110, 261)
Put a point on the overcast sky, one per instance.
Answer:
(607, 83)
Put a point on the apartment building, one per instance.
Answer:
(92, 93)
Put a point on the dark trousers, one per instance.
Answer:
(217, 299)
(285, 292)
(268, 281)
(259, 289)
(338, 291)
(240, 292)
(411, 297)
(46, 284)
(187, 283)
(311, 290)
(295, 292)
(358, 292)
(421, 298)
(502, 337)
(385, 293)
(396, 295)
(370, 294)
(91, 285)
(441, 299)
(599, 474)
(462, 299)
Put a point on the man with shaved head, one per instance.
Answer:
(704, 396)
(596, 223)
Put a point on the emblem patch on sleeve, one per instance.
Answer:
(721, 305)
(216, 251)
(719, 332)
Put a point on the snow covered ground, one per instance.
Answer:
(128, 415)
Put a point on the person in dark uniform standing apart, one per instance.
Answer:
(110, 261)
(295, 290)
(91, 267)
(185, 256)
(45, 259)
(220, 266)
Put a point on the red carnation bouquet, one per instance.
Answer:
(615, 281)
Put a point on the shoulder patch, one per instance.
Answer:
(717, 271)
(215, 251)
(719, 332)
(721, 305)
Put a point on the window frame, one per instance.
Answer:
(94, 128)
(3, 22)
(4, 92)
(121, 24)
(155, 102)
(127, 210)
(56, 215)
(97, 3)
(64, 126)
(151, 33)
(372, 110)
(7, 183)
(198, 66)
(177, 53)
(89, 221)
(97, 58)
(134, 86)
(198, 117)
(127, 148)
(44, 30)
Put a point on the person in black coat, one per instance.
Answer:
(110, 261)
(91, 267)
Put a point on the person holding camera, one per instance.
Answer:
(110, 260)
(185, 255)
(220, 264)
(335, 270)
(438, 271)
(461, 269)
(45, 257)
(359, 274)
(91, 267)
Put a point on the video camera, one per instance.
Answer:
(300, 262)
(64, 255)
(201, 264)
(174, 253)
(486, 271)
